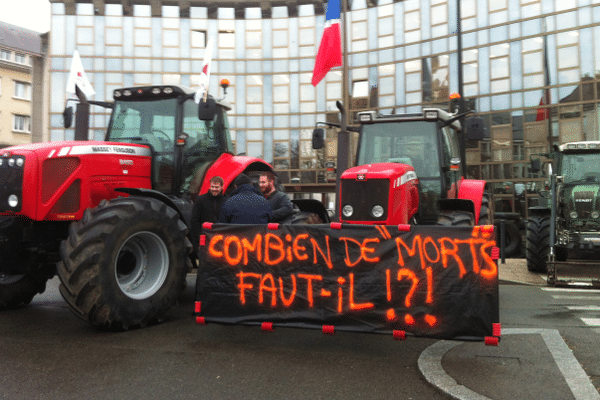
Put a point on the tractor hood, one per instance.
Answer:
(59, 180)
(402, 172)
(582, 205)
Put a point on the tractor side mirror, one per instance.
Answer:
(318, 138)
(68, 117)
(475, 129)
(536, 165)
(207, 110)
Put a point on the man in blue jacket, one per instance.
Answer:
(246, 205)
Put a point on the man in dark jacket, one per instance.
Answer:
(207, 208)
(246, 205)
(280, 202)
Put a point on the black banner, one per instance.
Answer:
(429, 281)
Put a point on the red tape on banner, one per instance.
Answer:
(328, 329)
(399, 335)
(496, 330)
(267, 326)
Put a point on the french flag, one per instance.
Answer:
(330, 49)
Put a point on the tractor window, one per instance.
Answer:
(151, 123)
(411, 142)
(206, 141)
(580, 166)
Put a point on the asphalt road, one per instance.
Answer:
(551, 352)
(47, 353)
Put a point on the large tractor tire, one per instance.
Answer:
(466, 218)
(18, 290)
(512, 237)
(538, 243)
(125, 263)
(485, 213)
(456, 218)
(303, 218)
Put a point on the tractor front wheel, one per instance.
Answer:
(125, 263)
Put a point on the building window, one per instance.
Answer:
(5, 55)
(21, 123)
(20, 58)
(22, 90)
(199, 39)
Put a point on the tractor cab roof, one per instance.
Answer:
(590, 145)
(428, 114)
(157, 92)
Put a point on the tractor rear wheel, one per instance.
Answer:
(19, 290)
(538, 243)
(125, 263)
(456, 218)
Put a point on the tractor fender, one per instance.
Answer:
(472, 189)
(183, 208)
(228, 167)
(313, 206)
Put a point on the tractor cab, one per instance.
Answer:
(426, 141)
(184, 137)
(428, 144)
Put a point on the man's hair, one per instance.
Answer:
(270, 176)
(217, 179)
(242, 179)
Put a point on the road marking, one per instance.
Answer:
(591, 321)
(552, 289)
(561, 297)
(430, 365)
(584, 308)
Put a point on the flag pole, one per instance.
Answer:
(345, 92)
(343, 142)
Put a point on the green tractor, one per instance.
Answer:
(563, 237)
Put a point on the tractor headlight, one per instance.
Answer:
(20, 162)
(11, 162)
(573, 215)
(13, 200)
(377, 211)
(595, 215)
(347, 211)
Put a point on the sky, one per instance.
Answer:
(29, 14)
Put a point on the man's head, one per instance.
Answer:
(267, 183)
(242, 179)
(216, 185)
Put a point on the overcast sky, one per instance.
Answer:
(29, 14)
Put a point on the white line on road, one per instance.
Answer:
(584, 308)
(561, 297)
(591, 321)
(553, 289)
(430, 365)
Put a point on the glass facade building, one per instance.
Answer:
(531, 68)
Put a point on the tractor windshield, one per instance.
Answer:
(579, 167)
(410, 142)
(155, 124)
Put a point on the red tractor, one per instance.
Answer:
(410, 170)
(121, 208)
